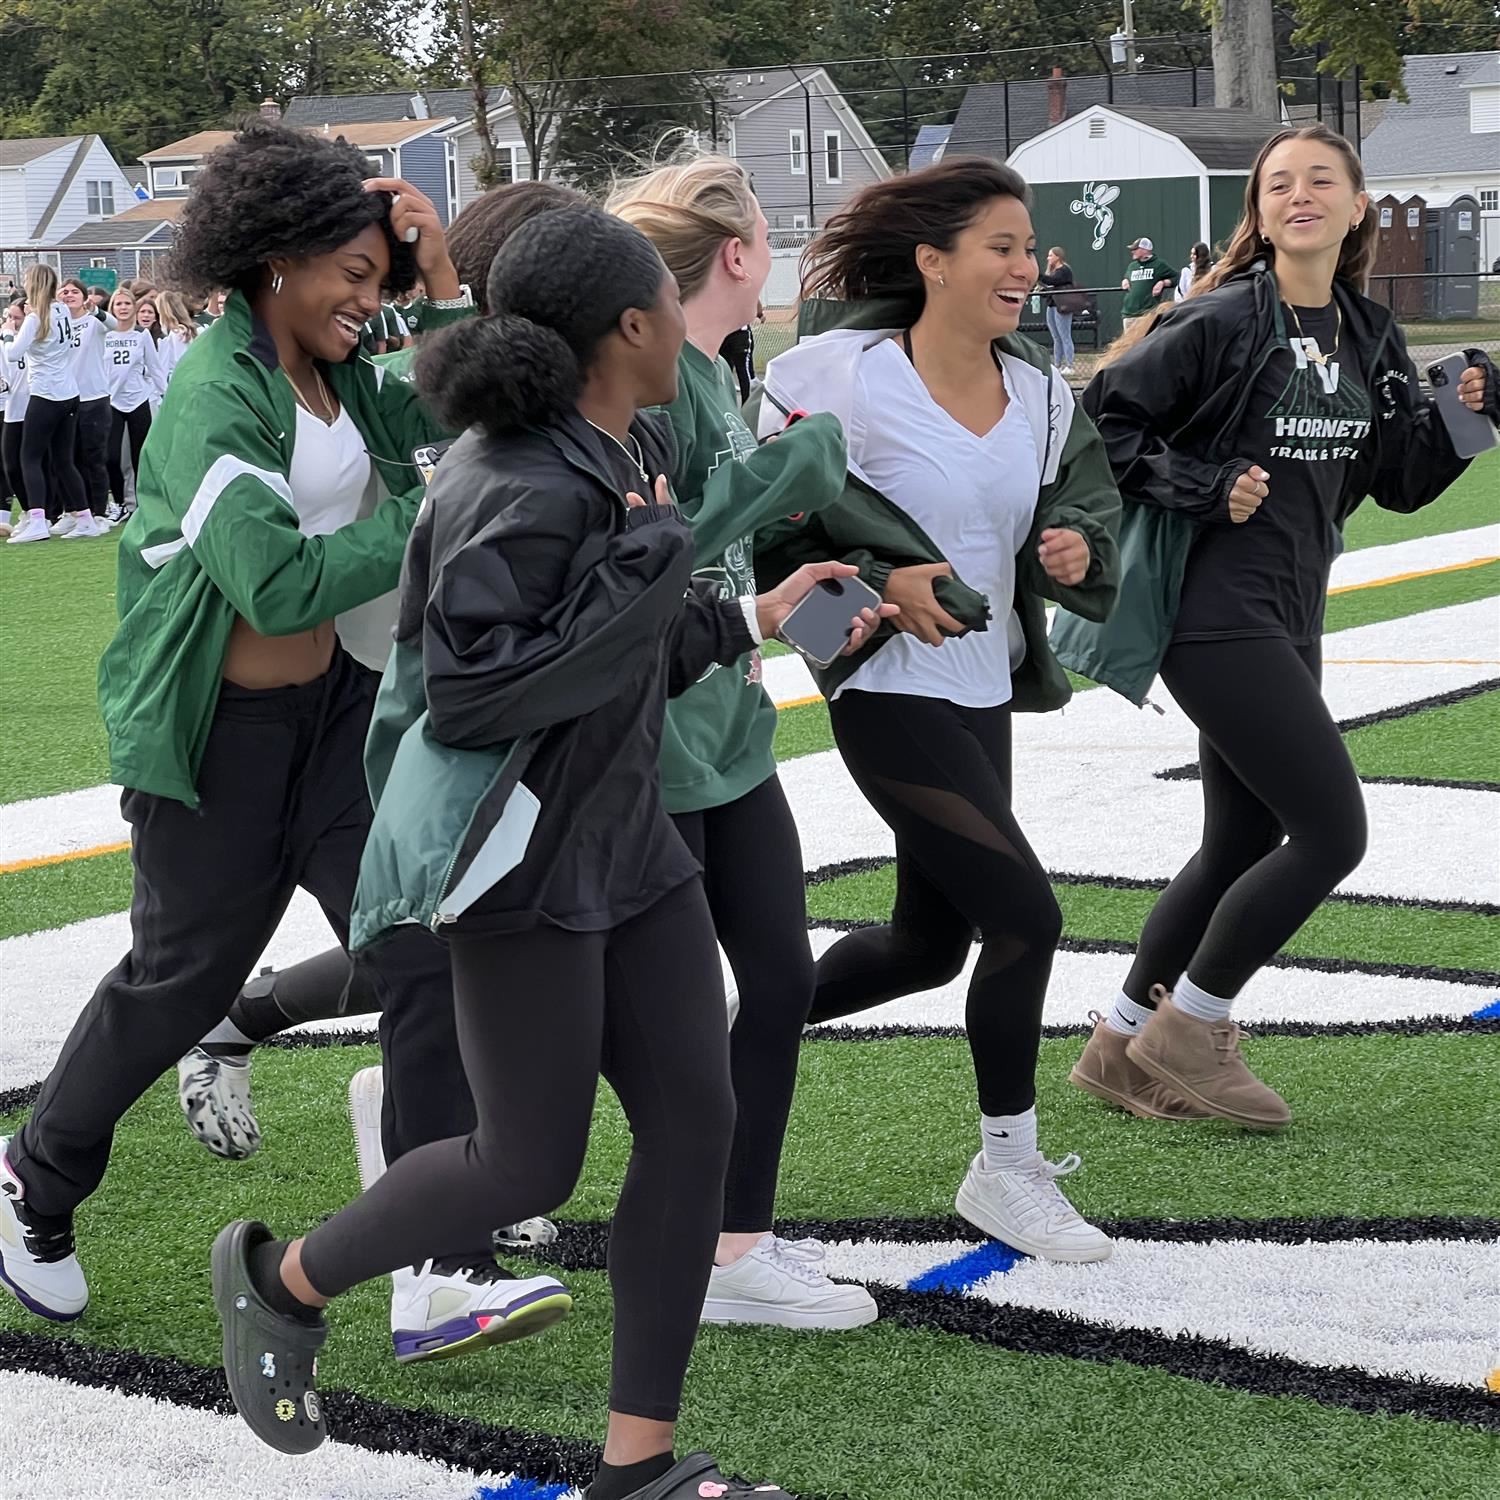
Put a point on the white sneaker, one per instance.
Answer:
(446, 1308)
(732, 1006)
(33, 528)
(782, 1283)
(86, 526)
(366, 1097)
(37, 1261)
(64, 524)
(1026, 1210)
(112, 512)
(215, 1096)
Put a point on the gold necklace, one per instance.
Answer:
(637, 458)
(1338, 333)
(328, 416)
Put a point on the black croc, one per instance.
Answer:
(697, 1477)
(270, 1359)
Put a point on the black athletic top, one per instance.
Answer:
(1308, 424)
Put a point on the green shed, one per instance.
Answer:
(1115, 173)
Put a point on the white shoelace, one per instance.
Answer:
(801, 1259)
(1040, 1186)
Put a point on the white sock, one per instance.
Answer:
(1009, 1141)
(1127, 1017)
(1197, 1002)
(37, 515)
(227, 1034)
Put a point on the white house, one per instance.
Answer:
(48, 188)
(1445, 140)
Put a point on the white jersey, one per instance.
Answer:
(134, 370)
(48, 352)
(169, 352)
(13, 369)
(89, 367)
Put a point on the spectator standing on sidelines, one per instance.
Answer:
(1147, 280)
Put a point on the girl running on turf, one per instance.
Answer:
(1245, 428)
(543, 610)
(276, 497)
(966, 457)
(54, 486)
(92, 442)
(718, 771)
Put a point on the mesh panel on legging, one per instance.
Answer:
(939, 776)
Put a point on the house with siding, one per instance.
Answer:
(130, 244)
(48, 188)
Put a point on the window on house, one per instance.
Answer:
(508, 164)
(165, 177)
(833, 156)
(799, 221)
(101, 198)
(453, 200)
(797, 152)
(99, 262)
(1489, 199)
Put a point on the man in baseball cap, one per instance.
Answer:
(1145, 282)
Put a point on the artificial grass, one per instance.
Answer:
(1473, 501)
(880, 1127)
(54, 895)
(1459, 742)
(1338, 929)
(1394, 601)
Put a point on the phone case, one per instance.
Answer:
(1471, 432)
(860, 596)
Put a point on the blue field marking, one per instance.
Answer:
(524, 1489)
(1490, 1012)
(972, 1267)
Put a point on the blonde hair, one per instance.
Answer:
(173, 315)
(688, 210)
(40, 282)
(1356, 255)
(123, 291)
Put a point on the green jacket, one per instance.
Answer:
(215, 536)
(866, 529)
(716, 743)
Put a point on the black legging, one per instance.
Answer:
(940, 776)
(53, 483)
(138, 424)
(752, 870)
(90, 451)
(541, 1014)
(1274, 766)
(10, 464)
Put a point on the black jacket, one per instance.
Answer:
(549, 613)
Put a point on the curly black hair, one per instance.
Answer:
(556, 290)
(273, 192)
(476, 235)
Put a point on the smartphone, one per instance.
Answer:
(1471, 432)
(818, 628)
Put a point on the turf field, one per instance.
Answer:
(1312, 1314)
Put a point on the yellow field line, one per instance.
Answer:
(1380, 583)
(800, 702)
(16, 866)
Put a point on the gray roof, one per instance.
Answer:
(1224, 140)
(109, 234)
(1430, 132)
(460, 102)
(979, 129)
(351, 109)
(930, 140)
(18, 153)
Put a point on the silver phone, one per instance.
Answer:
(1471, 432)
(818, 628)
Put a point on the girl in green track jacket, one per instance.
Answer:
(276, 495)
(718, 771)
(975, 489)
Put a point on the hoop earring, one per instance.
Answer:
(1265, 239)
(276, 284)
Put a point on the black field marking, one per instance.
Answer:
(1384, 716)
(1480, 978)
(1450, 786)
(1031, 1331)
(864, 865)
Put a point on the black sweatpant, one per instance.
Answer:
(90, 451)
(1283, 815)
(283, 804)
(48, 432)
(752, 872)
(940, 777)
(541, 1014)
(137, 423)
(11, 473)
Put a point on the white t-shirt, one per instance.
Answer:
(134, 369)
(169, 352)
(974, 496)
(88, 358)
(48, 351)
(1184, 283)
(334, 484)
(17, 378)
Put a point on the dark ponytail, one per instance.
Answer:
(557, 289)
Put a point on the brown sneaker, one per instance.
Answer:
(1106, 1072)
(1201, 1061)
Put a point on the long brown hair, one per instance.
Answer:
(1246, 246)
(869, 248)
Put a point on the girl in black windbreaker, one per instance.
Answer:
(1244, 428)
(548, 605)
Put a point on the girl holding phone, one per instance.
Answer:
(1244, 428)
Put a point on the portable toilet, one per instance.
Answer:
(1400, 253)
(1451, 258)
